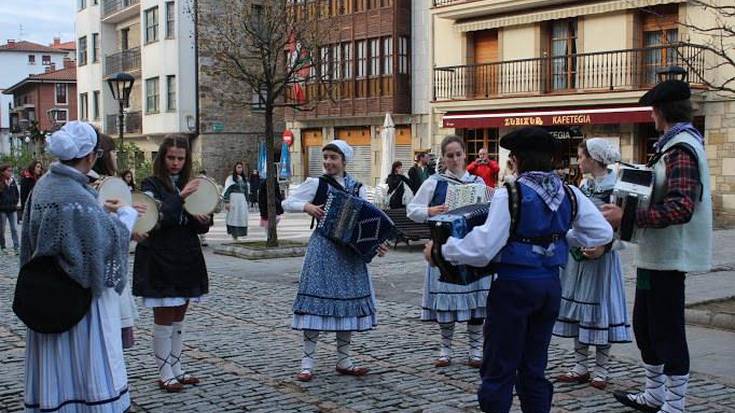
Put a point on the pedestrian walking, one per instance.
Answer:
(81, 369)
(235, 197)
(254, 181)
(28, 179)
(399, 187)
(263, 203)
(129, 179)
(593, 310)
(445, 303)
(485, 168)
(420, 171)
(335, 292)
(674, 238)
(169, 271)
(9, 199)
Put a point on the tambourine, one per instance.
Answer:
(205, 199)
(113, 188)
(149, 220)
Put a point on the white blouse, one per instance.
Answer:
(483, 243)
(418, 209)
(305, 193)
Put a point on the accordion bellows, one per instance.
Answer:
(458, 223)
(355, 223)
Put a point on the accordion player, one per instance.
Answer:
(458, 223)
(355, 223)
(632, 191)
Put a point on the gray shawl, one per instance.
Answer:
(65, 220)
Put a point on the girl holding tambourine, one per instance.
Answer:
(169, 270)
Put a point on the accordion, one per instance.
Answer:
(633, 190)
(458, 223)
(467, 194)
(355, 223)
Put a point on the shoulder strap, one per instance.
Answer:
(514, 204)
(573, 200)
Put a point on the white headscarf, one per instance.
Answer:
(74, 140)
(602, 150)
(344, 147)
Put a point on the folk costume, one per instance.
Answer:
(236, 194)
(335, 291)
(447, 303)
(679, 217)
(81, 369)
(523, 303)
(170, 271)
(593, 310)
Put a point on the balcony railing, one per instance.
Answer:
(125, 61)
(133, 123)
(110, 7)
(442, 3)
(630, 69)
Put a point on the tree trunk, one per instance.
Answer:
(271, 178)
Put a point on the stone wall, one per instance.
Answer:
(720, 140)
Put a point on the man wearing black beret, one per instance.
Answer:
(674, 237)
(523, 303)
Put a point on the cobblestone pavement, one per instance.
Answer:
(240, 344)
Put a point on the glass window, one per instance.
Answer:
(656, 54)
(31, 59)
(95, 47)
(336, 61)
(151, 25)
(83, 106)
(374, 57)
(61, 90)
(46, 60)
(170, 19)
(563, 47)
(403, 55)
(82, 51)
(96, 105)
(361, 47)
(347, 60)
(151, 95)
(387, 56)
(82, 4)
(171, 92)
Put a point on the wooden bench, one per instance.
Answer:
(407, 229)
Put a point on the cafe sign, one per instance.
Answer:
(570, 117)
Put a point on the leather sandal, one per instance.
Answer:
(572, 377)
(599, 383)
(304, 375)
(171, 385)
(352, 371)
(474, 362)
(187, 379)
(443, 361)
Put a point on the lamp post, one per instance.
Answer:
(121, 84)
(672, 73)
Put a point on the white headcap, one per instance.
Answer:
(602, 150)
(343, 147)
(74, 140)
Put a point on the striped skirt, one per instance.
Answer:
(81, 370)
(447, 303)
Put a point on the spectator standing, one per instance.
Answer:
(28, 179)
(399, 187)
(254, 179)
(263, 203)
(9, 198)
(236, 203)
(129, 179)
(420, 172)
(485, 168)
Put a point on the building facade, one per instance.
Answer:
(370, 58)
(18, 60)
(578, 69)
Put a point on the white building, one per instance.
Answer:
(153, 40)
(18, 59)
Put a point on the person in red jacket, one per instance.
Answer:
(485, 168)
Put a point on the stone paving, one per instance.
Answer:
(240, 344)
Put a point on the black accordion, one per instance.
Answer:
(458, 223)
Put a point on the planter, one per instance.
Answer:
(256, 250)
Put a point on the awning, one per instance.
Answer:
(554, 117)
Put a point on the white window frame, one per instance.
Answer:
(66, 94)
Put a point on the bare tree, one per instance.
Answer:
(272, 49)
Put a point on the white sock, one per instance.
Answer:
(310, 339)
(162, 351)
(474, 333)
(655, 393)
(581, 351)
(602, 357)
(177, 346)
(447, 333)
(676, 391)
(344, 339)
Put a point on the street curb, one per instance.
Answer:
(259, 254)
(709, 318)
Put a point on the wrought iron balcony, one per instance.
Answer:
(110, 7)
(124, 61)
(133, 123)
(630, 69)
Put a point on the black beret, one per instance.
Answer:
(530, 139)
(666, 91)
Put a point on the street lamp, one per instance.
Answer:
(121, 84)
(672, 73)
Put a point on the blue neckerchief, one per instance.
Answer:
(547, 185)
(675, 130)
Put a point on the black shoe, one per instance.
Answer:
(623, 398)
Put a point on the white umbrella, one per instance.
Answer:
(388, 150)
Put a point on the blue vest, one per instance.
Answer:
(440, 193)
(538, 247)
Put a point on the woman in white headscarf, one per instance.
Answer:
(81, 369)
(335, 291)
(593, 308)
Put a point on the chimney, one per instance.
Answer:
(69, 63)
(11, 41)
(57, 41)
